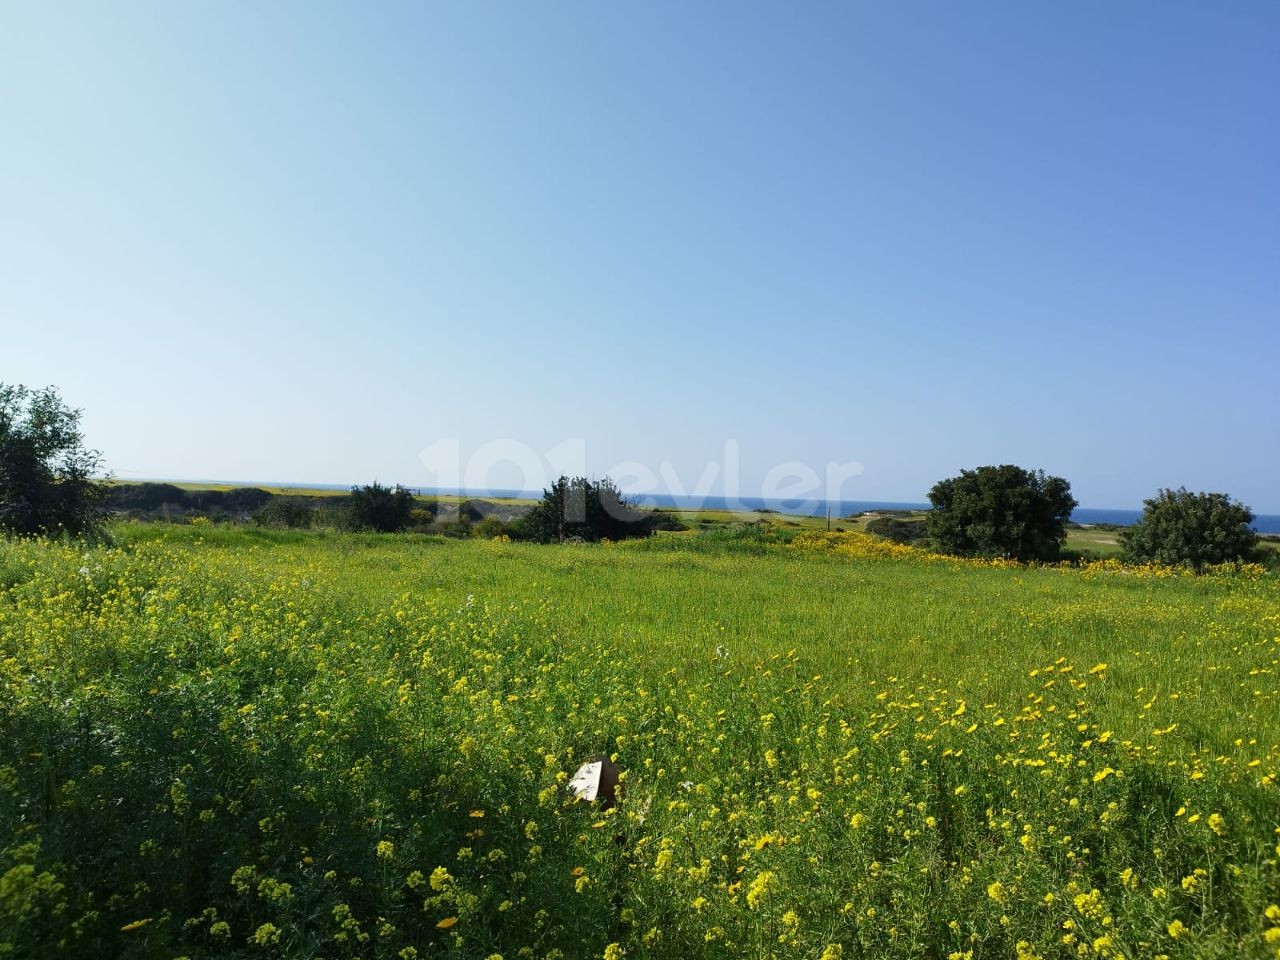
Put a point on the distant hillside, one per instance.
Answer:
(167, 501)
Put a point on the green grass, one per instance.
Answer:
(675, 599)
(1103, 543)
(1087, 541)
(712, 519)
(236, 742)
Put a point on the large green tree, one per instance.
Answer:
(582, 509)
(1002, 511)
(47, 484)
(379, 508)
(1179, 527)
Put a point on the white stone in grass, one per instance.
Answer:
(597, 779)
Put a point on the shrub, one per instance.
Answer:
(897, 530)
(291, 512)
(379, 508)
(1002, 511)
(582, 509)
(46, 473)
(459, 529)
(490, 527)
(666, 521)
(421, 519)
(1199, 529)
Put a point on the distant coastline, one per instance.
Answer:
(1263, 523)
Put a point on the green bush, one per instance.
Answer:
(381, 509)
(898, 530)
(1198, 529)
(290, 512)
(582, 509)
(490, 527)
(460, 529)
(421, 518)
(1002, 511)
(46, 473)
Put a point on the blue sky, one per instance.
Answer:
(304, 241)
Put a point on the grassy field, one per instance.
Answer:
(1080, 541)
(231, 742)
(1095, 542)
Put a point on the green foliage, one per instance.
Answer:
(457, 529)
(1002, 511)
(381, 509)
(489, 527)
(582, 509)
(756, 537)
(1193, 528)
(46, 474)
(662, 520)
(421, 517)
(898, 530)
(290, 512)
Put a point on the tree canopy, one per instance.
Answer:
(47, 484)
(584, 509)
(1002, 511)
(379, 508)
(1180, 527)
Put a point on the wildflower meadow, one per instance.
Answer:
(228, 743)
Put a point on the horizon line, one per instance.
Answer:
(511, 494)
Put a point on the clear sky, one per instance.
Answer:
(304, 241)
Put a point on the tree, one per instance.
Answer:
(1002, 511)
(384, 509)
(584, 509)
(47, 485)
(1194, 528)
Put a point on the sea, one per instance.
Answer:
(1263, 523)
